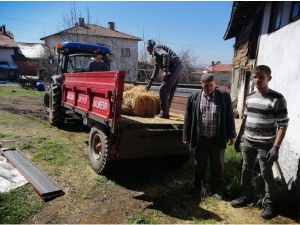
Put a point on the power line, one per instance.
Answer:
(27, 21)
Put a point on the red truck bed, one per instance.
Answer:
(98, 97)
(97, 94)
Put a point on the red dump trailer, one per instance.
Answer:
(97, 96)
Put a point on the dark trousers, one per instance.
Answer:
(204, 151)
(250, 151)
(167, 89)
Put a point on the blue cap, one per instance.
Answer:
(150, 43)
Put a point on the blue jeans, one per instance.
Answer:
(250, 151)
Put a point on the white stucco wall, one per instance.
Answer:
(128, 64)
(280, 51)
(5, 55)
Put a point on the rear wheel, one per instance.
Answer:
(98, 148)
(46, 99)
(56, 111)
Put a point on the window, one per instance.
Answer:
(125, 52)
(276, 14)
(295, 13)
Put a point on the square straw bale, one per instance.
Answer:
(137, 101)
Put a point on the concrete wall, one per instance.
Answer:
(223, 78)
(280, 51)
(128, 64)
(5, 55)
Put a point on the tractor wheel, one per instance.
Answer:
(46, 99)
(56, 111)
(98, 148)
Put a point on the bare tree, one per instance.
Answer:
(188, 60)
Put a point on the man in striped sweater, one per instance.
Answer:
(263, 128)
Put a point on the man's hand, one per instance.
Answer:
(237, 144)
(231, 141)
(165, 76)
(149, 85)
(186, 142)
(273, 154)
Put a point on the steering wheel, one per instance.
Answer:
(79, 70)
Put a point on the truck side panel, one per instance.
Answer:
(96, 93)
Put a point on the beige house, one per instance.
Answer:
(124, 47)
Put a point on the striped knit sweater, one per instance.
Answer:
(265, 114)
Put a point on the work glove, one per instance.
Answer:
(273, 154)
(237, 144)
(149, 84)
(165, 76)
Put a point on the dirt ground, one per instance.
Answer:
(128, 190)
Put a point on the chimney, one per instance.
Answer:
(111, 25)
(3, 29)
(81, 22)
(213, 63)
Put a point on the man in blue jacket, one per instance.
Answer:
(208, 127)
(97, 64)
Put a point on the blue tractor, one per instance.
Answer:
(73, 57)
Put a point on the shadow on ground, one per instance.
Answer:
(168, 188)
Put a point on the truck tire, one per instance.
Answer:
(56, 110)
(98, 148)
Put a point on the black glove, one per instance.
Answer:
(273, 154)
(165, 76)
(237, 144)
(149, 84)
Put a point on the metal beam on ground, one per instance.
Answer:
(41, 182)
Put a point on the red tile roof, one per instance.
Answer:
(222, 67)
(216, 68)
(7, 42)
(96, 30)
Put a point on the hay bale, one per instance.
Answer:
(137, 101)
(128, 87)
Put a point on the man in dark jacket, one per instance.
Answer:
(208, 127)
(166, 60)
(97, 64)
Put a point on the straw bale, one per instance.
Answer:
(128, 87)
(139, 102)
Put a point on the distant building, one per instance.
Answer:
(221, 71)
(28, 59)
(8, 47)
(124, 47)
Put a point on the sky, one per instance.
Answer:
(196, 26)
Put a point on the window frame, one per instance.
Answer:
(125, 52)
(292, 19)
(276, 10)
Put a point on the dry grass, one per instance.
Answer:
(137, 101)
